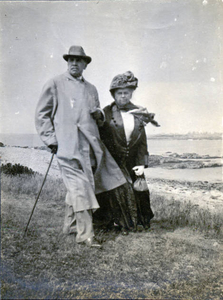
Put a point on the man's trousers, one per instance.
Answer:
(80, 200)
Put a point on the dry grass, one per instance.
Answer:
(178, 258)
(186, 214)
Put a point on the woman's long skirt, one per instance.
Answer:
(125, 208)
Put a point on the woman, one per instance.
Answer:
(124, 135)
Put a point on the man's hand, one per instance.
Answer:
(139, 170)
(53, 148)
(96, 114)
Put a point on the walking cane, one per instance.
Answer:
(38, 195)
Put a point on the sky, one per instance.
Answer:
(173, 47)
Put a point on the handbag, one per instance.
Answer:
(140, 185)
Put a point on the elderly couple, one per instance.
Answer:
(100, 152)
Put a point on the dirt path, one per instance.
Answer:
(37, 160)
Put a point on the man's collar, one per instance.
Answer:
(80, 78)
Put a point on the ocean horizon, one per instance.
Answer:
(21, 140)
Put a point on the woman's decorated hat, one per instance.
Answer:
(126, 80)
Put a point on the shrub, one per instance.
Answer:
(16, 169)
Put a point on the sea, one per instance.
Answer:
(155, 146)
(213, 148)
(201, 147)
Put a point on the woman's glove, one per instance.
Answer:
(139, 170)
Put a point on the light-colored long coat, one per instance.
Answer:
(63, 118)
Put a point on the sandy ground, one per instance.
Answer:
(211, 199)
(37, 160)
(204, 194)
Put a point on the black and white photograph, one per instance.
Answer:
(111, 151)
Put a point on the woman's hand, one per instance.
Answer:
(139, 170)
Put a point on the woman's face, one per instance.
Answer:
(123, 96)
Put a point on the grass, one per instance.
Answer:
(178, 258)
(186, 214)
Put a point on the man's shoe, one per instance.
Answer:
(92, 243)
(147, 226)
(140, 227)
(124, 231)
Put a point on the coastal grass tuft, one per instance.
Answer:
(175, 213)
(53, 189)
(172, 260)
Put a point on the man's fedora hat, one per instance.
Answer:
(77, 51)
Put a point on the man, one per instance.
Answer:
(67, 118)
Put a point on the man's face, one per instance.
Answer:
(123, 96)
(76, 66)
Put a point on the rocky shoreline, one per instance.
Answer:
(168, 160)
(37, 157)
(202, 193)
(185, 161)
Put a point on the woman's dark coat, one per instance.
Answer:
(134, 204)
(113, 135)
